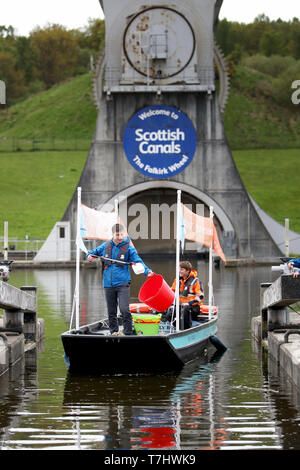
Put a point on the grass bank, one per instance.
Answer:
(253, 119)
(64, 111)
(36, 188)
(269, 177)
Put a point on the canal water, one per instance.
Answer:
(238, 401)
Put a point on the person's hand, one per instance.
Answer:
(91, 258)
(290, 265)
(295, 274)
(150, 274)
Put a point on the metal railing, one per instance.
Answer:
(18, 245)
(17, 144)
(115, 76)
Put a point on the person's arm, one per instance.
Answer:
(294, 263)
(198, 292)
(134, 258)
(99, 251)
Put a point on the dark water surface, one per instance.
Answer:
(238, 401)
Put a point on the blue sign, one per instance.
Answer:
(160, 141)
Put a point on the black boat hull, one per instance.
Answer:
(100, 354)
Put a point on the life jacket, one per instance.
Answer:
(121, 255)
(190, 289)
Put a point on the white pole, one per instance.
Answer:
(5, 253)
(117, 221)
(287, 237)
(117, 210)
(210, 286)
(177, 259)
(77, 258)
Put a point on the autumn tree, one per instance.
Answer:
(56, 51)
(13, 78)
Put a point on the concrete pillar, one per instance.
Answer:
(278, 317)
(264, 311)
(13, 319)
(30, 318)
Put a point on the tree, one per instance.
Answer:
(271, 42)
(14, 79)
(26, 58)
(93, 37)
(56, 52)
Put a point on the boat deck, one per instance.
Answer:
(101, 328)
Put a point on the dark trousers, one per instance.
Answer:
(118, 296)
(187, 313)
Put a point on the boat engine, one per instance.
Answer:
(5, 269)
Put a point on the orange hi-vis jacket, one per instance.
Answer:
(190, 289)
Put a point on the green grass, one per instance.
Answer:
(64, 111)
(36, 188)
(252, 118)
(270, 176)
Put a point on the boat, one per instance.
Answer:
(92, 349)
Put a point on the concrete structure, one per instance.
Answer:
(20, 329)
(2, 92)
(278, 329)
(162, 57)
(57, 247)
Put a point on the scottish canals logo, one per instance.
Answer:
(159, 141)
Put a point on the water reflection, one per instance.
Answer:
(237, 401)
(150, 412)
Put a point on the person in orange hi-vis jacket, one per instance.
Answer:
(190, 294)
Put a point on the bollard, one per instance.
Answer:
(278, 317)
(13, 319)
(264, 311)
(30, 318)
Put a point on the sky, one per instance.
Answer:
(24, 16)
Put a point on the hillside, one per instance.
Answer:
(64, 111)
(253, 121)
(252, 118)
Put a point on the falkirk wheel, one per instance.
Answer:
(160, 88)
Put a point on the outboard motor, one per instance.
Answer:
(5, 269)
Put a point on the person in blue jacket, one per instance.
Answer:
(294, 263)
(116, 276)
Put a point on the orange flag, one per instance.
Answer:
(97, 225)
(201, 230)
(197, 228)
(216, 245)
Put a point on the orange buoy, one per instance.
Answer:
(204, 309)
(140, 308)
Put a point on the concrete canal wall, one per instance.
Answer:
(20, 329)
(277, 329)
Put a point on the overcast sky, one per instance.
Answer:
(25, 15)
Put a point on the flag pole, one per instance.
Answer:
(117, 210)
(210, 286)
(77, 259)
(177, 259)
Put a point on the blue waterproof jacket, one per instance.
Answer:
(296, 262)
(116, 274)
